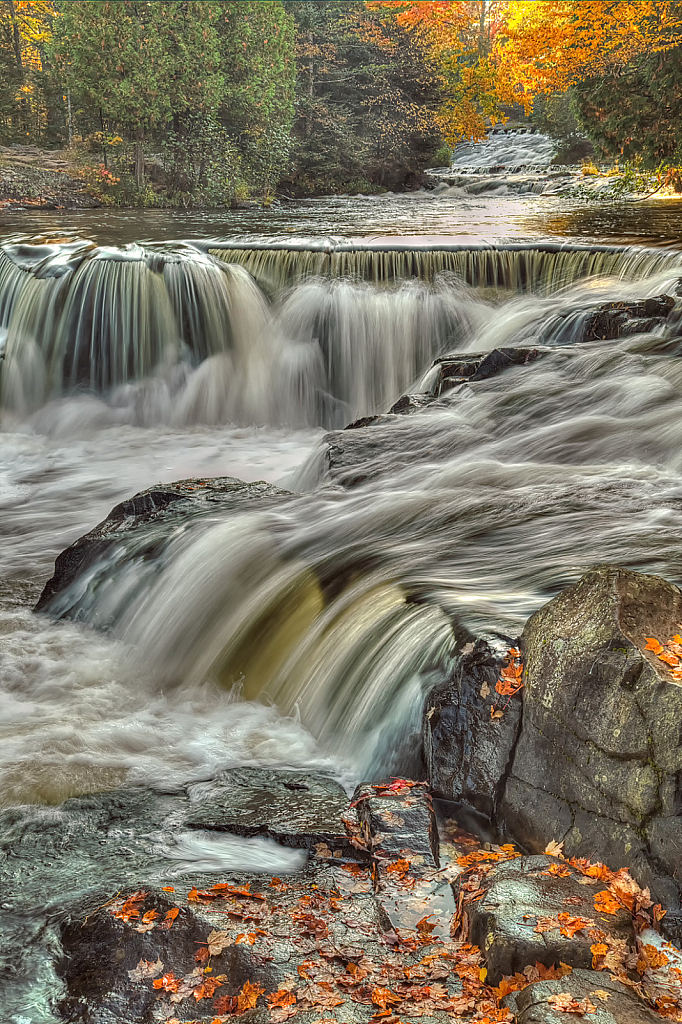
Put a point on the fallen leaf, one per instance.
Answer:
(169, 918)
(217, 942)
(207, 988)
(146, 969)
(565, 1003)
(605, 903)
(168, 982)
(383, 997)
(248, 996)
(569, 926)
(554, 849)
(281, 998)
(559, 871)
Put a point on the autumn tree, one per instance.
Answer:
(549, 45)
(25, 29)
(461, 38)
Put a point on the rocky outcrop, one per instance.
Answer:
(139, 529)
(516, 923)
(467, 751)
(623, 319)
(605, 1000)
(598, 763)
(592, 755)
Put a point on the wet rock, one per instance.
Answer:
(598, 763)
(518, 895)
(139, 529)
(613, 1003)
(107, 894)
(401, 821)
(622, 319)
(467, 752)
(399, 826)
(296, 809)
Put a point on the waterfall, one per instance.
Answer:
(276, 333)
(501, 269)
(97, 318)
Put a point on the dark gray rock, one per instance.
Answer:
(623, 319)
(599, 760)
(139, 529)
(296, 809)
(467, 752)
(402, 823)
(613, 1002)
(517, 894)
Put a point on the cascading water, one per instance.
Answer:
(176, 336)
(508, 150)
(338, 605)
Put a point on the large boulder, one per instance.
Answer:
(591, 996)
(590, 752)
(598, 763)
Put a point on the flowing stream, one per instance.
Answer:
(304, 634)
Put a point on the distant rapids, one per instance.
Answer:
(272, 333)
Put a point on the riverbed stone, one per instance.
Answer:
(613, 1003)
(623, 319)
(517, 895)
(598, 762)
(295, 809)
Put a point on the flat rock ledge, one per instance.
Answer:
(182, 907)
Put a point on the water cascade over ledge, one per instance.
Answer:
(275, 333)
(455, 517)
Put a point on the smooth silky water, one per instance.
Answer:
(305, 635)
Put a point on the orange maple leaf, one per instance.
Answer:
(281, 998)
(383, 997)
(248, 996)
(606, 903)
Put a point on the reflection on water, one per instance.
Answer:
(463, 218)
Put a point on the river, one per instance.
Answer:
(483, 507)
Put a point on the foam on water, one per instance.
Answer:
(339, 607)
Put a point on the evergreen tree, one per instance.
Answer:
(366, 100)
(138, 63)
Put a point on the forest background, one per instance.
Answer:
(213, 102)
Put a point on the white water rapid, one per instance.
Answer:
(304, 633)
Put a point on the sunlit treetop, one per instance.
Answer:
(548, 45)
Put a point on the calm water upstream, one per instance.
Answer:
(127, 369)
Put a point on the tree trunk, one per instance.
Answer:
(16, 42)
(139, 157)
